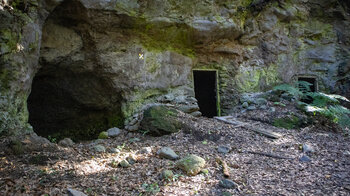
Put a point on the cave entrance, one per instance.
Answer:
(205, 87)
(311, 82)
(70, 95)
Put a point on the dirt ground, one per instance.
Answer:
(80, 168)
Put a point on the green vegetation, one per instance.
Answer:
(158, 38)
(290, 122)
(321, 104)
(159, 120)
(151, 188)
(103, 135)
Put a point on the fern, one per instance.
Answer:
(322, 104)
(289, 89)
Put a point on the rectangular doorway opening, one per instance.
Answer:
(205, 88)
(312, 83)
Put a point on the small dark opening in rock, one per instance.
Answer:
(205, 86)
(313, 87)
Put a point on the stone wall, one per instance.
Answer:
(109, 58)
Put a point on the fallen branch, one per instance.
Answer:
(269, 155)
(225, 168)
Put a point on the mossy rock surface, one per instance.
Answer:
(103, 135)
(160, 120)
(288, 122)
(191, 164)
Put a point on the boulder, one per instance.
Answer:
(99, 148)
(124, 163)
(160, 120)
(72, 192)
(305, 159)
(228, 184)
(245, 105)
(191, 164)
(113, 132)
(167, 153)
(223, 149)
(308, 149)
(66, 142)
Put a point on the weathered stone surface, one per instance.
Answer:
(101, 59)
(72, 192)
(191, 164)
(224, 149)
(113, 132)
(167, 153)
(124, 163)
(308, 148)
(66, 142)
(305, 159)
(228, 184)
(160, 120)
(99, 148)
(167, 174)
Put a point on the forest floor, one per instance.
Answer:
(51, 172)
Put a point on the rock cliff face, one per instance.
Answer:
(88, 65)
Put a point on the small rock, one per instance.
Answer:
(133, 127)
(223, 149)
(196, 114)
(72, 192)
(146, 150)
(191, 164)
(272, 109)
(167, 153)
(263, 107)
(245, 105)
(305, 159)
(113, 132)
(227, 184)
(114, 150)
(226, 194)
(135, 139)
(188, 108)
(99, 148)
(131, 160)
(347, 153)
(261, 101)
(66, 142)
(167, 174)
(103, 135)
(124, 163)
(250, 108)
(98, 141)
(308, 149)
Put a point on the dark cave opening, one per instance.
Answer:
(70, 95)
(205, 87)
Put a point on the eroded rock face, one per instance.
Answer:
(101, 61)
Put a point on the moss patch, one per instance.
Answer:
(165, 37)
(257, 79)
(291, 122)
(139, 98)
(160, 120)
(103, 135)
